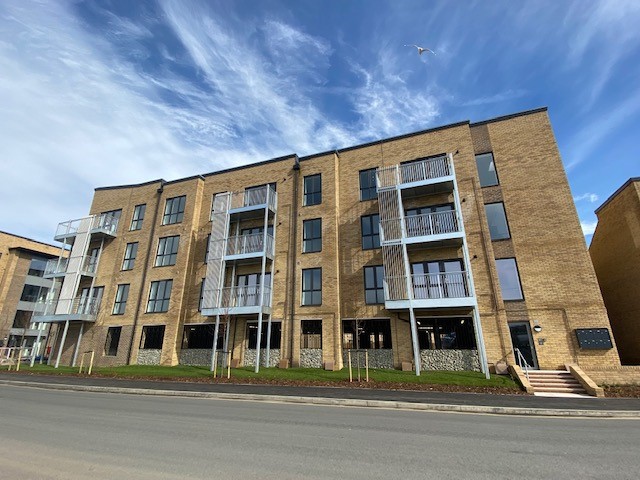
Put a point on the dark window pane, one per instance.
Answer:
(509, 279)
(368, 188)
(312, 286)
(312, 190)
(370, 225)
(486, 170)
(497, 219)
(111, 343)
(152, 337)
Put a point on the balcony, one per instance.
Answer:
(105, 224)
(249, 246)
(85, 265)
(67, 230)
(248, 203)
(432, 290)
(56, 267)
(78, 308)
(429, 172)
(437, 229)
(237, 300)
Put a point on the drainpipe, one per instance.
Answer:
(144, 270)
(294, 254)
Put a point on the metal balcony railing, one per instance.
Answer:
(70, 227)
(75, 306)
(55, 266)
(246, 296)
(106, 222)
(253, 197)
(421, 171)
(250, 243)
(437, 223)
(431, 285)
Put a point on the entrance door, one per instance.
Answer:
(522, 340)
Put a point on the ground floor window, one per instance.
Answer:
(446, 334)
(311, 336)
(252, 335)
(366, 334)
(111, 343)
(152, 337)
(201, 336)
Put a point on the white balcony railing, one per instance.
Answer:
(106, 222)
(70, 227)
(436, 223)
(251, 243)
(253, 197)
(245, 296)
(421, 171)
(76, 306)
(430, 286)
(55, 266)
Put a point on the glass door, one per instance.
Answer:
(522, 340)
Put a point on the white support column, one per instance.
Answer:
(273, 261)
(477, 325)
(215, 342)
(62, 340)
(262, 279)
(75, 354)
(36, 345)
(266, 357)
(227, 329)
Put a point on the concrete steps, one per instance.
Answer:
(555, 381)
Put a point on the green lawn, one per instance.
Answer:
(290, 375)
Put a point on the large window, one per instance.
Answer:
(366, 334)
(112, 340)
(122, 294)
(439, 279)
(370, 225)
(252, 335)
(312, 190)
(373, 286)
(37, 266)
(34, 293)
(201, 336)
(167, 251)
(509, 279)
(159, 296)
(174, 210)
(130, 254)
(487, 170)
(138, 217)
(446, 334)
(311, 334)
(22, 319)
(312, 286)
(312, 235)
(152, 337)
(497, 219)
(368, 188)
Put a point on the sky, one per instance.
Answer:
(102, 93)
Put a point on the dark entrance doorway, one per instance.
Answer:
(522, 340)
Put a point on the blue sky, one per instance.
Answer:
(98, 93)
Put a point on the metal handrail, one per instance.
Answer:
(522, 362)
(426, 169)
(239, 296)
(423, 225)
(249, 243)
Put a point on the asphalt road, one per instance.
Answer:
(47, 434)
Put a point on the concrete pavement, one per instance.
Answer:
(356, 397)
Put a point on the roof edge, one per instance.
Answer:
(510, 116)
(30, 239)
(616, 193)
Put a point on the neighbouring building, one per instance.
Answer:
(447, 248)
(615, 252)
(22, 286)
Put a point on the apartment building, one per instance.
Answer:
(445, 249)
(22, 286)
(615, 252)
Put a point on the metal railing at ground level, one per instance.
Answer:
(522, 362)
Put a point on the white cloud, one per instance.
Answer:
(591, 197)
(588, 227)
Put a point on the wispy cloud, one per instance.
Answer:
(591, 197)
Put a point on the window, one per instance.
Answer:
(174, 210)
(373, 287)
(371, 334)
(257, 195)
(122, 294)
(445, 334)
(36, 267)
(312, 286)
(201, 336)
(487, 170)
(252, 335)
(509, 279)
(138, 217)
(311, 334)
(312, 190)
(111, 343)
(152, 337)
(497, 219)
(249, 289)
(109, 220)
(34, 293)
(370, 225)
(22, 319)
(368, 187)
(130, 256)
(167, 251)
(201, 300)
(312, 235)
(206, 249)
(159, 296)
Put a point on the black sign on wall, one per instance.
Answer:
(594, 338)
